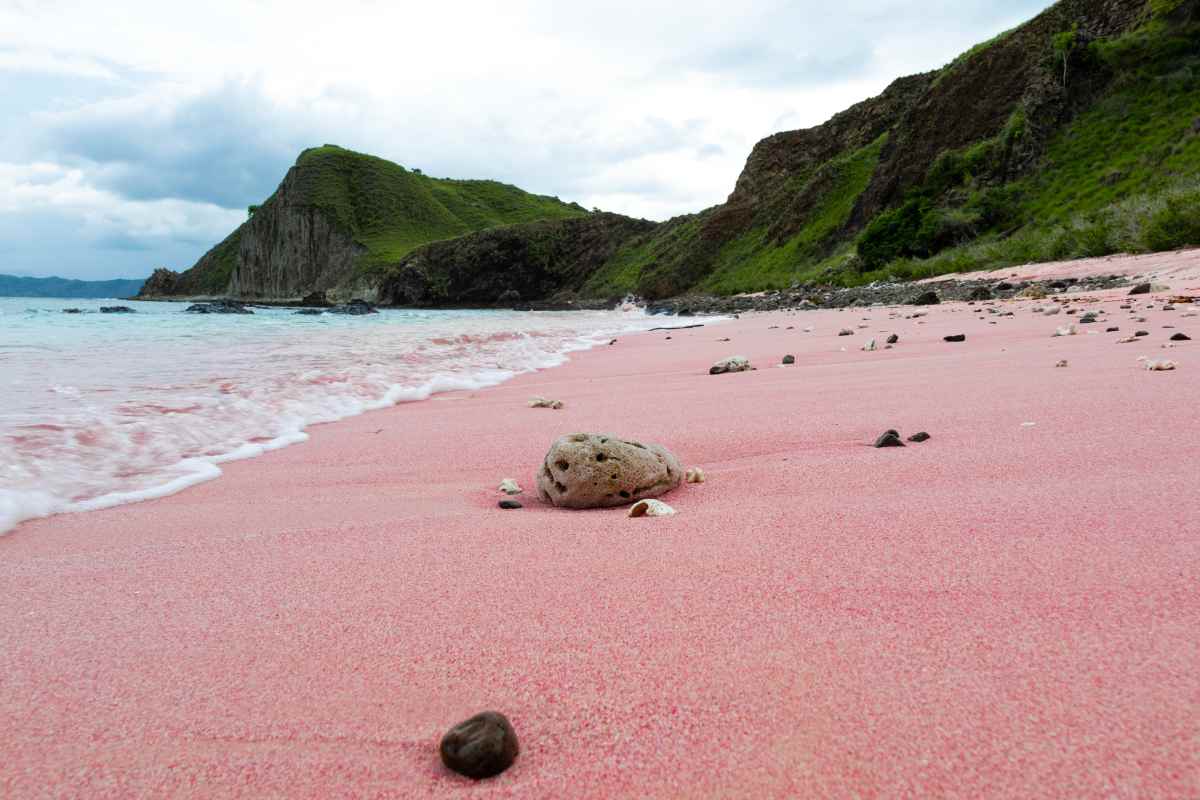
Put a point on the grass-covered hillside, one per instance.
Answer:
(1076, 134)
(338, 214)
(391, 210)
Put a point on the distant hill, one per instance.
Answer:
(14, 286)
(339, 214)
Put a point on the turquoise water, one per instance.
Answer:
(101, 409)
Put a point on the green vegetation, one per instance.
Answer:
(696, 251)
(1123, 176)
(754, 261)
(1165, 220)
(391, 210)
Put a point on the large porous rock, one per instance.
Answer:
(731, 364)
(598, 470)
(480, 747)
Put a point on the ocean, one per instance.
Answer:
(102, 409)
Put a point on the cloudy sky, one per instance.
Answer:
(136, 132)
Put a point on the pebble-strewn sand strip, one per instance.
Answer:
(1007, 610)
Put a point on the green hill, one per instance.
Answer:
(1075, 134)
(339, 214)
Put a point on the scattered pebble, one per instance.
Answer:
(870, 346)
(651, 508)
(541, 402)
(789, 359)
(958, 337)
(889, 439)
(845, 332)
(893, 339)
(1113, 329)
(1063, 363)
(695, 475)
(1141, 333)
(1181, 337)
(920, 437)
(480, 747)
(510, 505)
(1066, 330)
(510, 486)
(1158, 366)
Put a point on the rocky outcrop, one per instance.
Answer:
(590, 470)
(548, 260)
(161, 283)
(291, 248)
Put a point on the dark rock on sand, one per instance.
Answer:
(72, 311)
(958, 337)
(509, 505)
(1141, 333)
(927, 299)
(480, 747)
(1113, 329)
(354, 308)
(893, 338)
(218, 307)
(1181, 337)
(980, 293)
(789, 359)
(889, 439)
(310, 312)
(116, 310)
(1141, 288)
(920, 437)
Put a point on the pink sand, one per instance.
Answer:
(1008, 610)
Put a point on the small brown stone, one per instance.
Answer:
(480, 747)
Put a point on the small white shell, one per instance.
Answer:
(1063, 363)
(1159, 366)
(870, 346)
(541, 402)
(651, 508)
(696, 475)
(1066, 330)
(509, 486)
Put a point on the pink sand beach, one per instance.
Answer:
(1009, 610)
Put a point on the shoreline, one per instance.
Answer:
(1005, 610)
(202, 469)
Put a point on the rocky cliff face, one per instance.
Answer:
(974, 98)
(290, 248)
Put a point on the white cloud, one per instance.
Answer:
(68, 192)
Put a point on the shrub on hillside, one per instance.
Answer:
(1175, 223)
